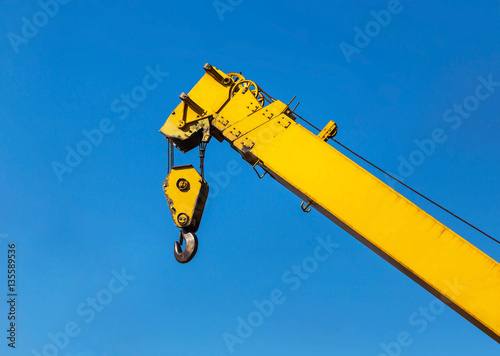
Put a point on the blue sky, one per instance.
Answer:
(106, 216)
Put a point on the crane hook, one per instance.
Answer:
(190, 248)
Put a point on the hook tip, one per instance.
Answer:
(190, 249)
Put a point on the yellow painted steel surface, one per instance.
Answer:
(407, 237)
(186, 192)
(420, 246)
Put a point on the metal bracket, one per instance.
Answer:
(216, 75)
(235, 132)
(223, 121)
(255, 169)
(306, 208)
(247, 145)
(328, 132)
(283, 122)
(189, 102)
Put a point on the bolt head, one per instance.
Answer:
(183, 185)
(182, 219)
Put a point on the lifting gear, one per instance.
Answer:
(265, 133)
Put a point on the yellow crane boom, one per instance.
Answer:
(265, 132)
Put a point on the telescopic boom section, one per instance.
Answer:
(404, 235)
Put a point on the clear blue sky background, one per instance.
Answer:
(110, 213)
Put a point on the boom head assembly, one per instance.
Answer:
(228, 107)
